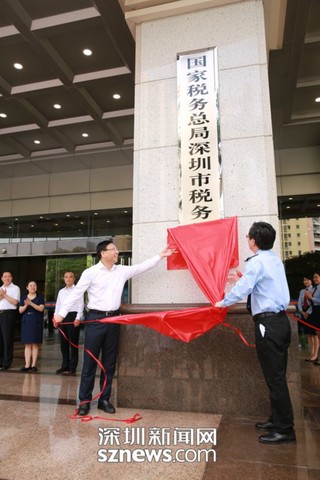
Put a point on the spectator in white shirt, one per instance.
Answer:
(71, 330)
(9, 299)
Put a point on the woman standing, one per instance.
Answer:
(314, 299)
(305, 309)
(31, 308)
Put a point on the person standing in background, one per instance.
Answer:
(69, 352)
(31, 309)
(314, 299)
(9, 299)
(305, 309)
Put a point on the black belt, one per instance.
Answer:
(111, 313)
(268, 314)
(8, 310)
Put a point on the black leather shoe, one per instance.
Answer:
(62, 369)
(264, 425)
(24, 369)
(84, 409)
(106, 406)
(275, 438)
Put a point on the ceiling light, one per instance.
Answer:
(108, 221)
(288, 207)
(3, 115)
(95, 213)
(116, 96)
(290, 198)
(85, 134)
(37, 142)
(18, 66)
(317, 99)
(87, 52)
(57, 106)
(125, 211)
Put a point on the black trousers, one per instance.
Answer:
(7, 327)
(70, 354)
(272, 351)
(104, 338)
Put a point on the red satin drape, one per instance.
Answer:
(209, 250)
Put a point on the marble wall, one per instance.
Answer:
(215, 373)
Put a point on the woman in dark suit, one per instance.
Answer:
(31, 308)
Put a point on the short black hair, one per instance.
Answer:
(309, 276)
(101, 246)
(263, 234)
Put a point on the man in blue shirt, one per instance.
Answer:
(265, 282)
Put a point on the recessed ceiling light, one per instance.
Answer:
(37, 142)
(116, 96)
(108, 221)
(318, 205)
(288, 207)
(85, 134)
(125, 211)
(18, 66)
(95, 213)
(57, 106)
(3, 115)
(317, 99)
(67, 215)
(290, 198)
(87, 52)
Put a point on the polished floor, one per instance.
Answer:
(38, 439)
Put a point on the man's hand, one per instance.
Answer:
(76, 323)
(218, 304)
(167, 252)
(56, 320)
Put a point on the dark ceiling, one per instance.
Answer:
(48, 37)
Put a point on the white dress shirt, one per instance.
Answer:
(78, 305)
(14, 292)
(104, 286)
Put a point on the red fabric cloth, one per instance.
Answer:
(209, 250)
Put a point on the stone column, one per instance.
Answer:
(156, 371)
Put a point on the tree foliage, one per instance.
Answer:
(298, 267)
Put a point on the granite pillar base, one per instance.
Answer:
(215, 373)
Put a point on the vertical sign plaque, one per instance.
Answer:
(199, 145)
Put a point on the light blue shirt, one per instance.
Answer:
(265, 279)
(316, 296)
(301, 299)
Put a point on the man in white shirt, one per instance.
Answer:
(104, 283)
(9, 299)
(69, 352)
